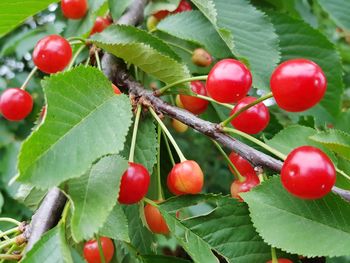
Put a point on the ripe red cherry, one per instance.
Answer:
(15, 104)
(229, 81)
(116, 89)
(74, 9)
(52, 54)
(193, 104)
(308, 173)
(238, 187)
(101, 24)
(253, 120)
(298, 84)
(241, 164)
(92, 253)
(155, 220)
(185, 178)
(134, 184)
(182, 7)
(281, 260)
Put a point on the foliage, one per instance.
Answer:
(82, 143)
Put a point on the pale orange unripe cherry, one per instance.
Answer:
(185, 178)
(179, 126)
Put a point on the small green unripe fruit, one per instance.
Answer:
(152, 23)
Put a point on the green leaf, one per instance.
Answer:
(304, 227)
(343, 121)
(145, 51)
(338, 10)
(116, 225)
(83, 26)
(338, 260)
(140, 236)
(227, 229)
(295, 136)
(201, 32)
(299, 40)
(162, 259)
(81, 106)
(52, 247)
(146, 144)
(94, 195)
(117, 7)
(247, 32)
(15, 12)
(335, 140)
(158, 5)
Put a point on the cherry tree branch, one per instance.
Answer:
(115, 70)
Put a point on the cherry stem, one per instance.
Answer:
(98, 62)
(25, 83)
(169, 149)
(10, 220)
(246, 107)
(134, 134)
(87, 61)
(8, 232)
(171, 138)
(227, 105)
(273, 255)
(181, 81)
(236, 173)
(8, 255)
(149, 201)
(180, 47)
(342, 173)
(82, 40)
(160, 191)
(256, 141)
(7, 243)
(75, 56)
(102, 256)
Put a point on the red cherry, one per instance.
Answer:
(182, 7)
(298, 84)
(155, 220)
(281, 260)
(229, 81)
(15, 104)
(161, 14)
(92, 253)
(116, 89)
(193, 104)
(185, 178)
(253, 120)
(134, 184)
(241, 164)
(101, 24)
(52, 54)
(308, 173)
(74, 9)
(237, 187)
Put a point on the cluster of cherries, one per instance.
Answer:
(296, 85)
